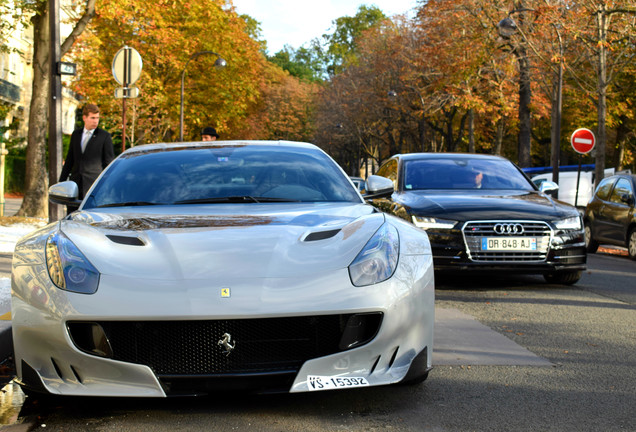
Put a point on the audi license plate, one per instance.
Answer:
(508, 243)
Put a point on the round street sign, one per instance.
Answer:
(583, 140)
(127, 66)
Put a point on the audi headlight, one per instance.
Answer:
(378, 259)
(571, 223)
(431, 222)
(68, 267)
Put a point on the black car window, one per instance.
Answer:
(463, 173)
(222, 174)
(622, 188)
(604, 188)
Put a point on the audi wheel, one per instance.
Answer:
(563, 277)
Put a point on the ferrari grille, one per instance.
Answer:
(475, 233)
(181, 348)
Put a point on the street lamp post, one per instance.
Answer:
(219, 64)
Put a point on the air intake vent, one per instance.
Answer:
(322, 235)
(131, 241)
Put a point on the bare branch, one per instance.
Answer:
(89, 13)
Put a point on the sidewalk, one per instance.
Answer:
(11, 206)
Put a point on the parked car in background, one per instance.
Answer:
(609, 216)
(192, 268)
(359, 183)
(568, 185)
(482, 213)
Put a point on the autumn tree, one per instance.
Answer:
(285, 108)
(166, 34)
(340, 45)
(607, 30)
(304, 63)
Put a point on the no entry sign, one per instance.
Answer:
(583, 140)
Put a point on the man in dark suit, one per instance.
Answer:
(91, 151)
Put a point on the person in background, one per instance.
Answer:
(90, 151)
(479, 177)
(209, 134)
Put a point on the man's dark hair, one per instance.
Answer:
(90, 109)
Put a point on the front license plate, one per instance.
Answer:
(316, 382)
(509, 243)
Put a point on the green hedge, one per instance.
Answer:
(15, 166)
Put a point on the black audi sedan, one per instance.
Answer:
(482, 213)
(610, 217)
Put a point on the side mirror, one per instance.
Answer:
(627, 199)
(65, 193)
(549, 187)
(378, 187)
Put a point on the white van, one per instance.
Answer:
(567, 185)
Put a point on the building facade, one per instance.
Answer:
(16, 78)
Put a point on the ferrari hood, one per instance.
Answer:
(486, 204)
(205, 241)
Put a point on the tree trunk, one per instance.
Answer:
(555, 136)
(499, 136)
(35, 203)
(525, 98)
(471, 131)
(36, 182)
(602, 22)
(621, 138)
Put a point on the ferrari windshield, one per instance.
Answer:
(463, 173)
(222, 174)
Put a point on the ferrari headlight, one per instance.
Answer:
(378, 259)
(431, 222)
(68, 267)
(572, 223)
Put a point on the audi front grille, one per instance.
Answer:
(475, 232)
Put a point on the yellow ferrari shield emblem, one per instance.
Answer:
(225, 292)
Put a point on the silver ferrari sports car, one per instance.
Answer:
(196, 267)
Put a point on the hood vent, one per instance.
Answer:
(131, 241)
(321, 235)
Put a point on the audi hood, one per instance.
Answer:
(462, 205)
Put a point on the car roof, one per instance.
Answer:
(623, 175)
(215, 144)
(413, 156)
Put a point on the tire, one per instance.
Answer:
(563, 277)
(591, 245)
(631, 243)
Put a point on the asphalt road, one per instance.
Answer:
(610, 276)
(587, 334)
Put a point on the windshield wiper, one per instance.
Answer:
(230, 199)
(234, 199)
(130, 204)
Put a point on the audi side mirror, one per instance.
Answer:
(378, 187)
(549, 187)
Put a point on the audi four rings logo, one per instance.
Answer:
(508, 228)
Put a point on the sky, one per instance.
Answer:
(296, 22)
